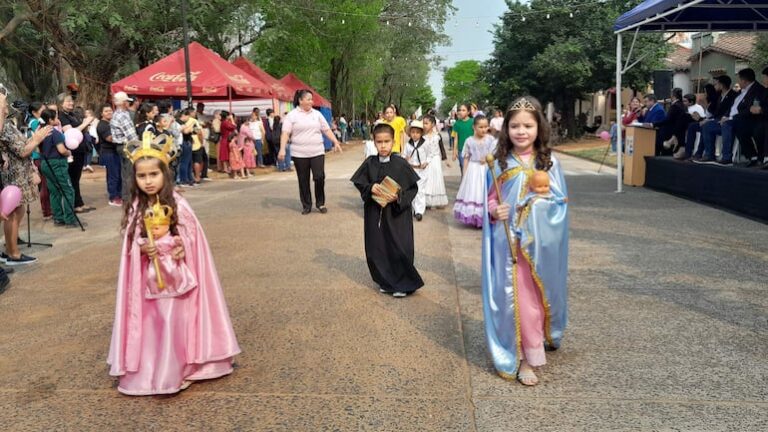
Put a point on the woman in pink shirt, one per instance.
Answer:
(305, 127)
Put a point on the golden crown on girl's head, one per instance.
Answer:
(158, 214)
(158, 147)
(522, 104)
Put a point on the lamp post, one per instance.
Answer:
(187, 68)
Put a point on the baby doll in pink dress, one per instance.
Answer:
(175, 277)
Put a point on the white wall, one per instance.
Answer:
(682, 80)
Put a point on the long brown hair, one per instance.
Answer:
(131, 219)
(540, 146)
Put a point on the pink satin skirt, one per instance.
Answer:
(531, 314)
(163, 365)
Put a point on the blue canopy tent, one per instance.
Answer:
(682, 16)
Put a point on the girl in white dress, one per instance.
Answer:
(468, 208)
(434, 189)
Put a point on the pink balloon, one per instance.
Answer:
(605, 135)
(72, 138)
(10, 198)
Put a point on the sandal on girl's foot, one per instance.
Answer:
(527, 377)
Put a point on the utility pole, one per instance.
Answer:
(187, 68)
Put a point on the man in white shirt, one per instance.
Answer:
(697, 113)
(747, 115)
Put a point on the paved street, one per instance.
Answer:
(668, 321)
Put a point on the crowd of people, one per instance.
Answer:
(40, 159)
(688, 129)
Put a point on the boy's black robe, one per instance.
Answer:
(389, 231)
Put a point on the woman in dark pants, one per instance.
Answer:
(69, 120)
(305, 127)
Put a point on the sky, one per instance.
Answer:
(470, 30)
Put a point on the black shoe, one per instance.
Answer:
(322, 209)
(722, 162)
(22, 260)
(3, 257)
(306, 211)
(706, 160)
(753, 163)
(418, 217)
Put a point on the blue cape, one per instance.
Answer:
(542, 232)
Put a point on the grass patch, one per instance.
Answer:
(597, 154)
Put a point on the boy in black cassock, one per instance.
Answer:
(388, 229)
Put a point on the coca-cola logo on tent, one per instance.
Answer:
(239, 79)
(157, 89)
(166, 77)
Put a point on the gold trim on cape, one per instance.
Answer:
(544, 301)
(516, 306)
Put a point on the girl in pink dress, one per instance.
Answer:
(236, 157)
(164, 340)
(245, 141)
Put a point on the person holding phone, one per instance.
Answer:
(17, 170)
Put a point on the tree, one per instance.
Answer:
(98, 38)
(760, 52)
(361, 54)
(464, 83)
(559, 53)
(29, 66)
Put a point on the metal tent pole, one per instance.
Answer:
(619, 139)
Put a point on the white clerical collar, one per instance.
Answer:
(384, 159)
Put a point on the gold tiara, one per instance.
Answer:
(158, 147)
(523, 104)
(158, 214)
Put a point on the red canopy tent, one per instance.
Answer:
(294, 83)
(213, 78)
(279, 89)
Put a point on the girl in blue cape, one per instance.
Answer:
(524, 283)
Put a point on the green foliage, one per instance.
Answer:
(760, 52)
(99, 38)
(564, 66)
(561, 59)
(463, 83)
(361, 54)
(28, 66)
